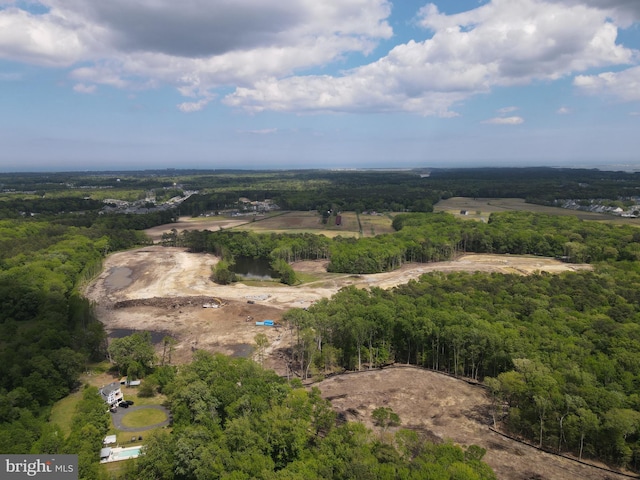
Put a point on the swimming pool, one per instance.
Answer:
(130, 452)
(119, 453)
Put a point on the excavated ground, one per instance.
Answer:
(164, 290)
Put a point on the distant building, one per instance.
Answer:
(464, 212)
(112, 394)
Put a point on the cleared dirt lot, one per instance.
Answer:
(445, 408)
(158, 273)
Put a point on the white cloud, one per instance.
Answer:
(188, 107)
(563, 111)
(82, 88)
(102, 75)
(505, 121)
(260, 46)
(624, 85)
(505, 110)
(505, 42)
(625, 12)
(51, 40)
(194, 45)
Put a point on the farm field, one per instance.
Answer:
(307, 222)
(283, 222)
(480, 209)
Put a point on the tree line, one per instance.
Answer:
(558, 352)
(429, 237)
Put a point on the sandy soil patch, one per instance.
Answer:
(443, 408)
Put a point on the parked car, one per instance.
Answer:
(123, 405)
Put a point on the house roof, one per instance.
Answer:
(107, 389)
(109, 439)
(105, 452)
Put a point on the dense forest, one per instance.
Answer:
(48, 331)
(558, 353)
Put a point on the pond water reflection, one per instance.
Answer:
(253, 268)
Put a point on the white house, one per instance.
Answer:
(112, 393)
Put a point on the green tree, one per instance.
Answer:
(385, 417)
(133, 354)
(262, 342)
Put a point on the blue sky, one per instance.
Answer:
(104, 85)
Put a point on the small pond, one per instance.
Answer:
(253, 268)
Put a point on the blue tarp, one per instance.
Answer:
(266, 323)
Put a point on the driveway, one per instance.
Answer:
(121, 412)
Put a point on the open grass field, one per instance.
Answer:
(377, 224)
(142, 418)
(480, 209)
(124, 439)
(63, 410)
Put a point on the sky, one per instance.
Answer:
(262, 84)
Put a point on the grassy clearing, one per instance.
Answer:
(310, 222)
(63, 410)
(143, 418)
(275, 283)
(131, 393)
(373, 225)
(114, 469)
(307, 278)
